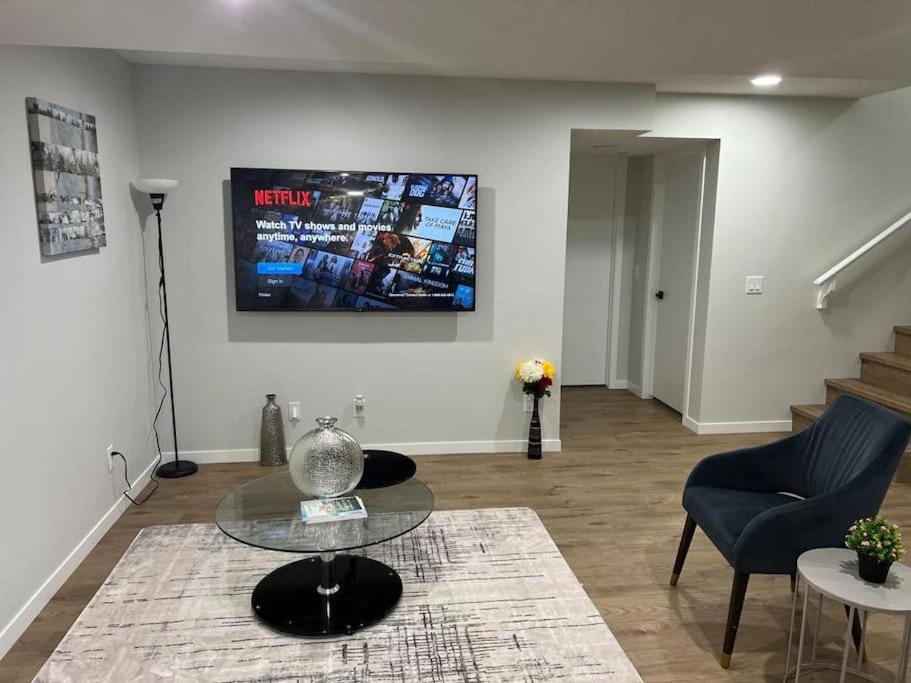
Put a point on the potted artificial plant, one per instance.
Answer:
(878, 543)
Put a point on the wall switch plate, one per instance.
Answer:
(294, 411)
(529, 403)
(360, 402)
(108, 453)
(755, 284)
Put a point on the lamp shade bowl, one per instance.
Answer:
(155, 185)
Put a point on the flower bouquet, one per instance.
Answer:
(878, 543)
(536, 376)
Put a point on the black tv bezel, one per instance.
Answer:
(282, 309)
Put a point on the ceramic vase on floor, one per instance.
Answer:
(534, 434)
(272, 435)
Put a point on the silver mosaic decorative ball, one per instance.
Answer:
(326, 462)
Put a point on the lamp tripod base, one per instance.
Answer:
(176, 469)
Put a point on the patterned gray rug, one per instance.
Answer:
(487, 597)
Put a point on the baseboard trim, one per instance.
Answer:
(737, 427)
(618, 384)
(634, 389)
(33, 606)
(412, 448)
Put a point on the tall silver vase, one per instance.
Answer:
(272, 435)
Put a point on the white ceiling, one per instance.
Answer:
(822, 47)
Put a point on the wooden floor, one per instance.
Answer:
(611, 500)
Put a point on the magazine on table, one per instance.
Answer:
(332, 510)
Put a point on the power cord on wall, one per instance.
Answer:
(164, 395)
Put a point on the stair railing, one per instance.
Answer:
(825, 283)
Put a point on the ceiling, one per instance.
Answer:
(832, 47)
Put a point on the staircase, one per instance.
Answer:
(885, 378)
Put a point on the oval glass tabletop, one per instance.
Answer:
(265, 513)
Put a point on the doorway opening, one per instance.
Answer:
(638, 256)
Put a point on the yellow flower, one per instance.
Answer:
(549, 370)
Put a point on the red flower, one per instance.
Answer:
(545, 382)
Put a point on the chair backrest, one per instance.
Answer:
(852, 438)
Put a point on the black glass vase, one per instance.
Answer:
(534, 434)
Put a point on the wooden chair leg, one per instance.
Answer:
(689, 528)
(738, 592)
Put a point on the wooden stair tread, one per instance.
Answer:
(871, 392)
(810, 411)
(893, 360)
(902, 329)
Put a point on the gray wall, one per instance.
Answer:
(589, 237)
(801, 183)
(429, 379)
(74, 343)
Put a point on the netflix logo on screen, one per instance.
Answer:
(358, 241)
(303, 198)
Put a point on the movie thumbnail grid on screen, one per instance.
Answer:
(311, 240)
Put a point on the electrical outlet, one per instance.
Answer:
(529, 403)
(754, 284)
(108, 454)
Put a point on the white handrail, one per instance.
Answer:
(826, 281)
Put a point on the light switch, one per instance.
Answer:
(754, 284)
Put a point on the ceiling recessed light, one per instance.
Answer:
(766, 80)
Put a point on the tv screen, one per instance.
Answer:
(334, 240)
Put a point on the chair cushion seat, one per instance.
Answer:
(724, 513)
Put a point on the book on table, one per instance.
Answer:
(332, 510)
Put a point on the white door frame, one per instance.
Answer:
(656, 227)
(652, 270)
(611, 380)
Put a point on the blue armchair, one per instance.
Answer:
(762, 507)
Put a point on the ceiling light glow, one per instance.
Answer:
(766, 80)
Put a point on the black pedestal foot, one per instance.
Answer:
(293, 600)
(173, 470)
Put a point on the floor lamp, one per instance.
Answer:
(158, 189)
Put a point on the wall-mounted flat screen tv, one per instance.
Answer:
(354, 241)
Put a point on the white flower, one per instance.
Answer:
(530, 371)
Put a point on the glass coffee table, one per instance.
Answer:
(334, 592)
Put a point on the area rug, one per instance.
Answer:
(487, 597)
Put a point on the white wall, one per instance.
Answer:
(437, 382)
(801, 183)
(589, 246)
(74, 343)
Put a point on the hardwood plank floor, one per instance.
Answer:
(611, 501)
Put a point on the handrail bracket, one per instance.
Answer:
(822, 294)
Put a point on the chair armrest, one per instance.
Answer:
(761, 468)
(773, 540)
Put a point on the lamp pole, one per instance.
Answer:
(175, 468)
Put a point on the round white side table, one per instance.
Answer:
(832, 573)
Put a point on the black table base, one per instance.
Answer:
(327, 595)
(385, 468)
